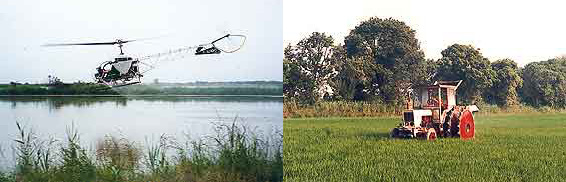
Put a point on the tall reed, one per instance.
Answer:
(76, 164)
(292, 109)
(234, 153)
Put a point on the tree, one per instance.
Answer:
(312, 59)
(295, 83)
(545, 83)
(53, 80)
(505, 83)
(393, 52)
(464, 62)
(354, 76)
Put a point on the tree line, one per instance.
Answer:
(381, 59)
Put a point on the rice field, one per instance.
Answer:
(507, 147)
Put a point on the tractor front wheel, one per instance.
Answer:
(394, 133)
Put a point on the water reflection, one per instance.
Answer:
(58, 102)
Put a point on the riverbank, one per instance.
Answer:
(60, 89)
(263, 88)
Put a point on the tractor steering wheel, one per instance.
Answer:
(432, 102)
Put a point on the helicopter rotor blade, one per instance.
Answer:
(72, 44)
(90, 43)
(118, 41)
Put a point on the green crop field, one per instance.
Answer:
(507, 147)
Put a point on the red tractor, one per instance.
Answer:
(432, 112)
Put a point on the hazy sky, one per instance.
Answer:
(525, 31)
(25, 25)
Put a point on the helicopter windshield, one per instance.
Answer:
(123, 66)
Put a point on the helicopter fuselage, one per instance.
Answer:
(124, 70)
(121, 70)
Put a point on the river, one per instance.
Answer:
(137, 118)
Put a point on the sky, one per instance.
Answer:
(524, 31)
(25, 25)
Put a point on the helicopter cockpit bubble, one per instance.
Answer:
(123, 66)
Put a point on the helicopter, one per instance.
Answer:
(125, 70)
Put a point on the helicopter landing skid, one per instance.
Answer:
(121, 85)
(115, 86)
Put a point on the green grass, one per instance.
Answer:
(507, 147)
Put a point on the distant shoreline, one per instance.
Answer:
(255, 89)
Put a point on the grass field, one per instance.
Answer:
(507, 147)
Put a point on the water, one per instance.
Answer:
(137, 118)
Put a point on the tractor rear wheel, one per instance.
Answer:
(431, 134)
(467, 126)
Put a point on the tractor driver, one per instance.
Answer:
(433, 101)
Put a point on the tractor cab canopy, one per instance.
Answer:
(441, 94)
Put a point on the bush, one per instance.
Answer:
(340, 109)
